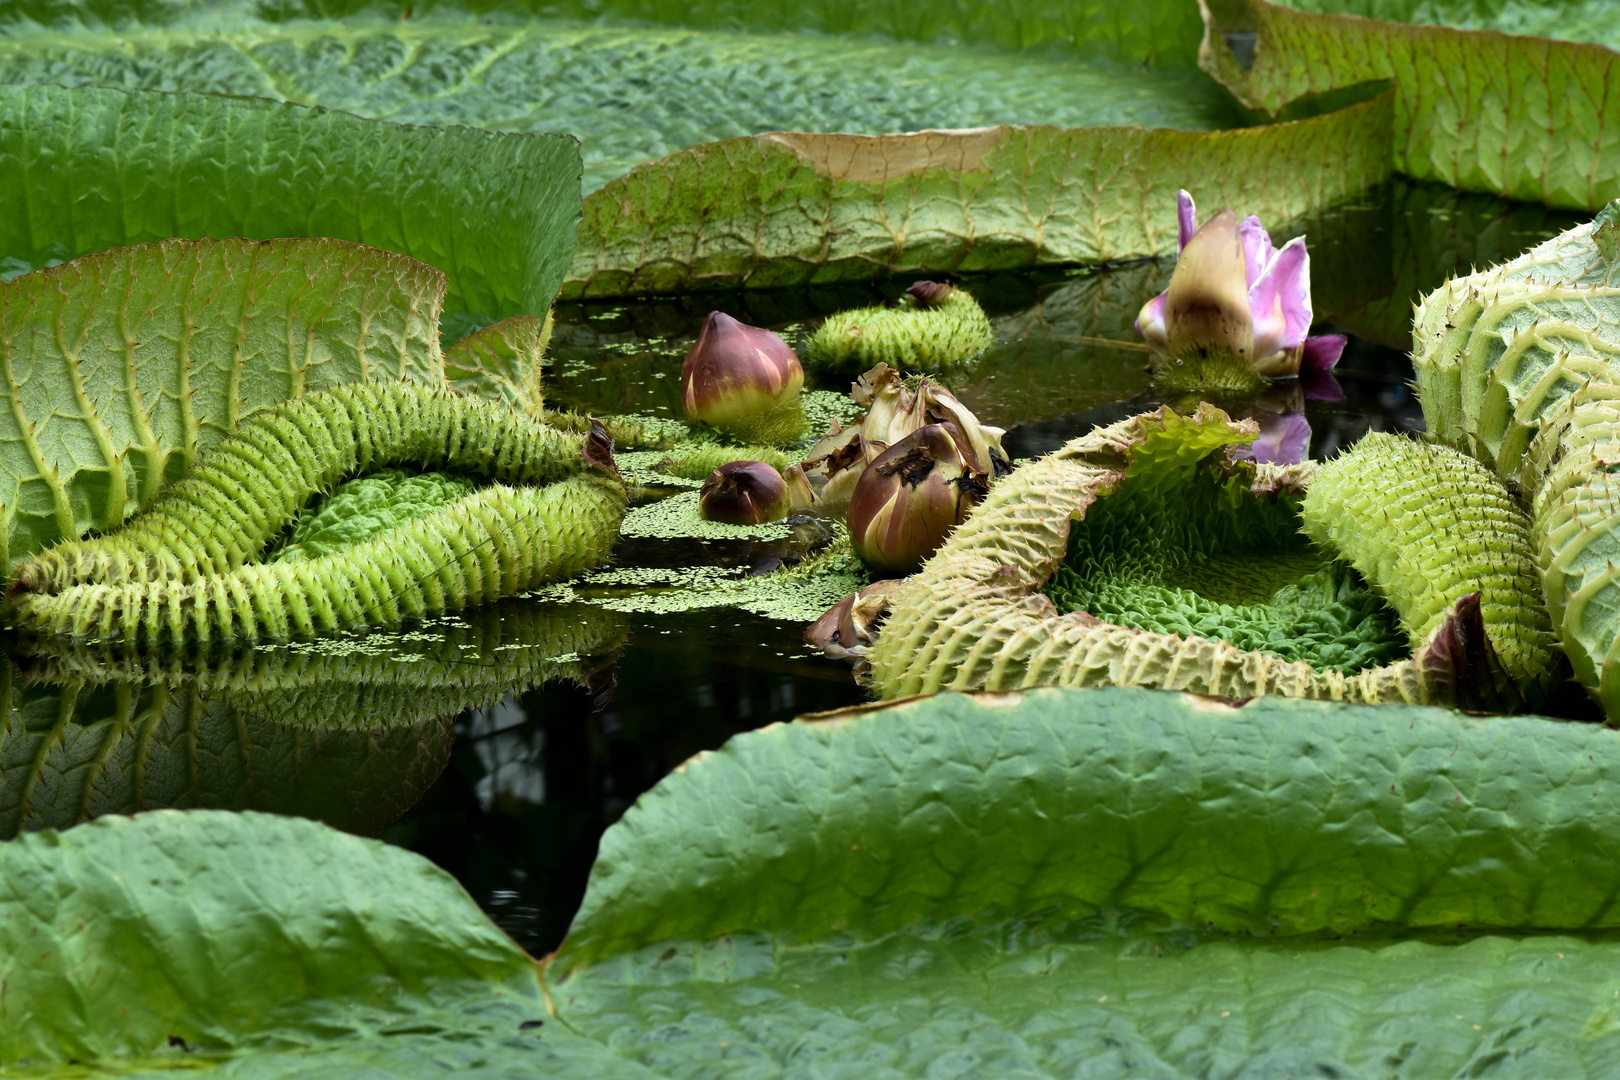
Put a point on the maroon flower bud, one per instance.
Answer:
(737, 371)
(743, 493)
(928, 294)
(910, 498)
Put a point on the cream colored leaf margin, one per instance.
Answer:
(789, 208)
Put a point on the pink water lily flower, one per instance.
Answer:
(1235, 296)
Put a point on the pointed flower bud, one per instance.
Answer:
(910, 498)
(743, 493)
(1234, 301)
(737, 371)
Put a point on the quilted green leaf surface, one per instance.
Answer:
(351, 731)
(1048, 884)
(1008, 886)
(87, 169)
(642, 82)
(170, 939)
(641, 91)
(1483, 111)
(121, 368)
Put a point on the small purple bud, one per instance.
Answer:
(929, 294)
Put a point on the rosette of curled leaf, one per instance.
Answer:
(191, 569)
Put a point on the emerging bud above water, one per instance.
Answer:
(743, 493)
(910, 497)
(1237, 309)
(736, 371)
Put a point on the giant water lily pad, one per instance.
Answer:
(685, 192)
(1519, 116)
(1032, 884)
(87, 169)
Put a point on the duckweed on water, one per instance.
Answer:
(784, 596)
(676, 517)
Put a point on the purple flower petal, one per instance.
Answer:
(1284, 439)
(1320, 386)
(1281, 301)
(1257, 249)
(1186, 219)
(1321, 353)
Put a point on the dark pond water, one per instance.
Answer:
(513, 798)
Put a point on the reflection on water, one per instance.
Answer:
(686, 683)
(349, 730)
(547, 719)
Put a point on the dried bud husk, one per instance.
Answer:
(842, 468)
(848, 628)
(893, 412)
(911, 497)
(737, 371)
(743, 493)
(801, 496)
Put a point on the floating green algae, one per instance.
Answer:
(695, 463)
(666, 591)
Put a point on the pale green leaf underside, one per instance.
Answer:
(120, 368)
(1151, 32)
(1523, 117)
(1567, 20)
(729, 210)
(89, 169)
